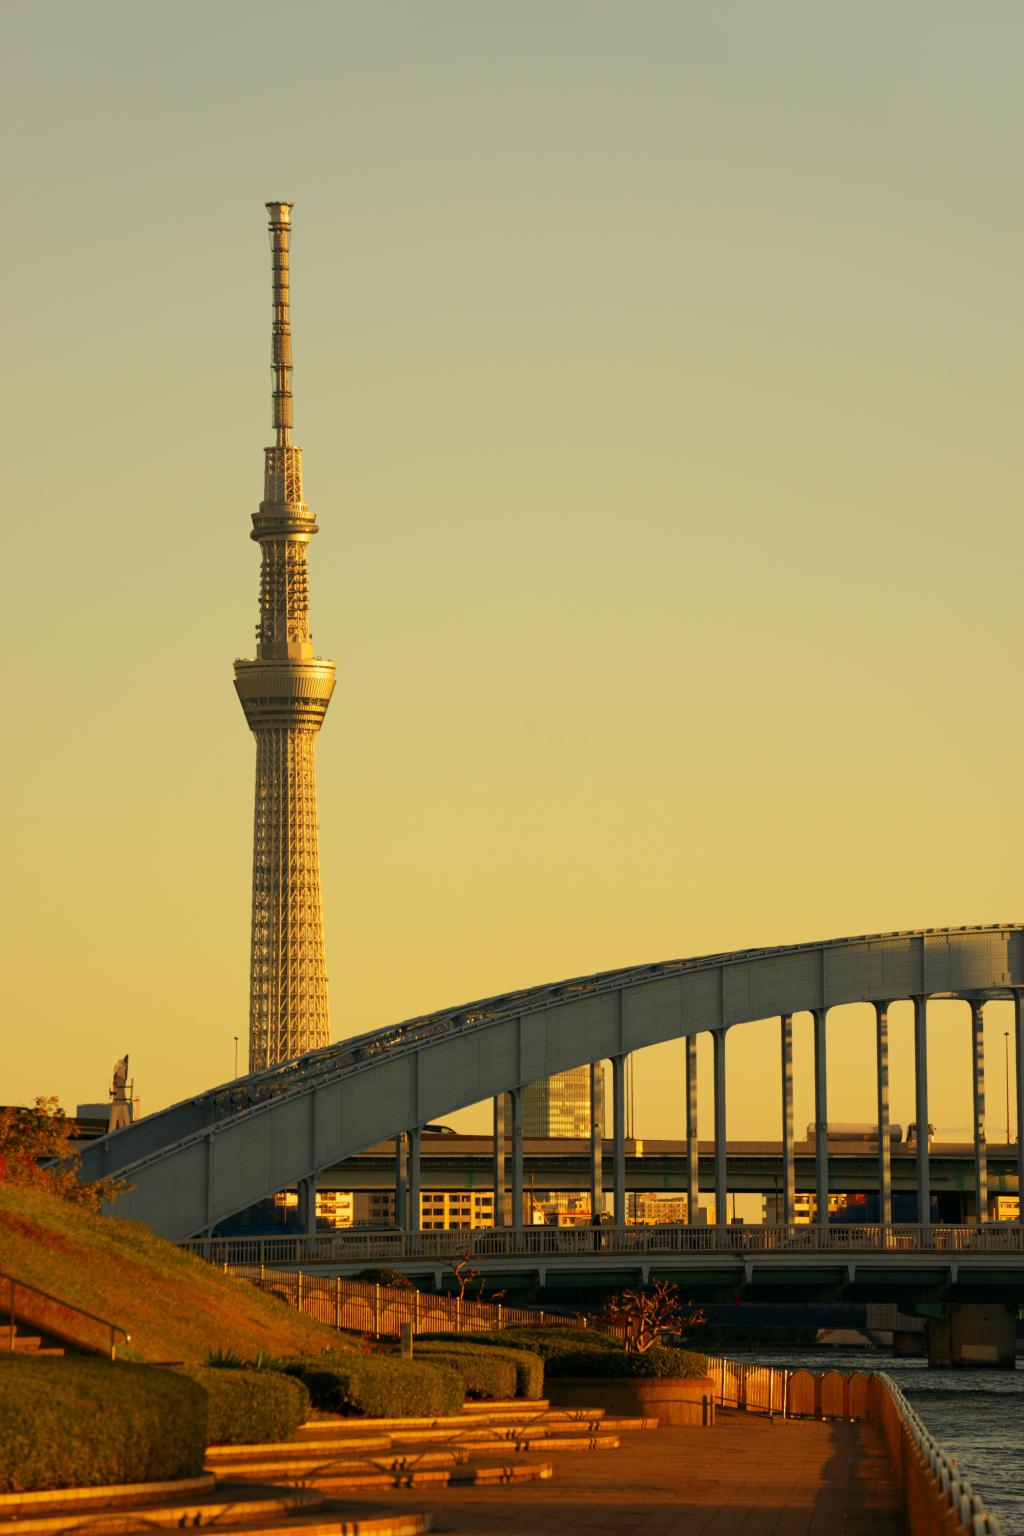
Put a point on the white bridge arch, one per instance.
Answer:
(206, 1159)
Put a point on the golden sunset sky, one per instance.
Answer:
(658, 371)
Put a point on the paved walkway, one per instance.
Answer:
(747, 1475)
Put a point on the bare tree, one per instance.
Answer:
(649, 1313)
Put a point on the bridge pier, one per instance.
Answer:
(884, 1146)
(978, 1077)
(307, 1204)
(788, 1147)
(973, 1334)
(515, 1098)
(596, 1140)
(619, 1139)
(721, 1152)
(401, 1183)
(924, 1194)
(499, 1160)
(414, 1179)
(1018, 1011)
(692, 1148)
(821, 1113)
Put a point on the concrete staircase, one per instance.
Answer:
(304, 1486)
(12, 1340)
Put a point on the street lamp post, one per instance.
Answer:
(1006, 1078)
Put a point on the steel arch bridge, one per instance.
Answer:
(208, 1158)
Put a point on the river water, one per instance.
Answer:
(976, 1415)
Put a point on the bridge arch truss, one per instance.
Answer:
(204, 1160)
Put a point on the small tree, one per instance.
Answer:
(650, 1312)
(36, 1153)
(465, 1274)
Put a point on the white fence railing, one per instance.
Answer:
(353, 1246)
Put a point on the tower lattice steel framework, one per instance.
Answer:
(285, 693)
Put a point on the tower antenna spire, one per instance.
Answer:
(285, 692)
(281, 341)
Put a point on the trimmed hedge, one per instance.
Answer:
(541, 1341)
(528, 1364)
(379, 1386)
(250, 1407)
(70, 1423)
(659, 1360)
(484, 1372)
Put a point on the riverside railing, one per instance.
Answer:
(353, 1246)
(937, 1500)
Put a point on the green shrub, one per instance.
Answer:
(250, 1407)
(379, 1386)
(484, 1372)
(380, 1275)
(69, 1423)
(541, 1341)
(659, 1360)
(529, 1366)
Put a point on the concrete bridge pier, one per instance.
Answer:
(498, 1154)
(307, 1204)
(973, 1334)
(596, 1140)
(978, 1083)
(692, 1150)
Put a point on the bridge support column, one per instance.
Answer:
(924, 1193)
(721, 1157)
(884, 1146)
(619, 1138)
(692, 1147)
(821, 1114)
(596, 1140)
(978, 1076)
(499, 1160)
(414, 1180)
(307, 1205)
(401, 1183)
(788, 1147)
(1018, 1009)
(516, 1106)
(973, 1334)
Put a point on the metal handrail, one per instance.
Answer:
(13, 1282)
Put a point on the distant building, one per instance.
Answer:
(440, 1209)
(334, 1207)
(805, 1208)
(559, 1105)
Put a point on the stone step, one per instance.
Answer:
(536, 1438)
(346, 1522)
(288, 1466)
(217, 1454)
(44, 1500)
(228, 1504)
(471, 1474)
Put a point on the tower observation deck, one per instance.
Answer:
(285, 693)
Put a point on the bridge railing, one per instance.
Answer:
(352, 1246)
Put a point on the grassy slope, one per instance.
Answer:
(174, 1306)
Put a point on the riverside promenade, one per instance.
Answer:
(748, 1475)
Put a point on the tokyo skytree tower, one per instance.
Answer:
(285, 693)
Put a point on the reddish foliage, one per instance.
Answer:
(36, 1153)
